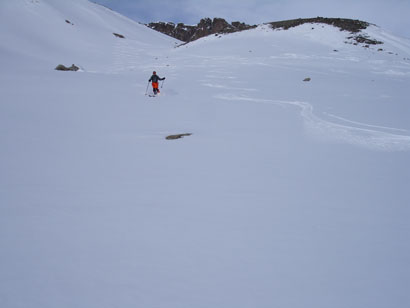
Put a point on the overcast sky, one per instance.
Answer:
(393, 15)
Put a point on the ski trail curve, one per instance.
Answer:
(324, 130)
(366, 125)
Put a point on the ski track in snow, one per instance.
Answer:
(366, 125)
(329, 131)
(126, 56)
(211, 85)
(130, 55)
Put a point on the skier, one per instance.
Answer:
(154, 78)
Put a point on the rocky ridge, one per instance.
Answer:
(344, 24)
(353, 26)
(207, 26)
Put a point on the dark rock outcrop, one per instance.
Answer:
(350, 25)
(343, 24)
(178, 136)
(366, 40)
(205, 27)
(61, 67)
(119, 35)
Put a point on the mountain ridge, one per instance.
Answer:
(208, 26)
(205, 27)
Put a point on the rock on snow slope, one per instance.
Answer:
(287, 193)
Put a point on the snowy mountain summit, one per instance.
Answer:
(288, 189)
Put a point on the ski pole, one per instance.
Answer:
(162, 83)
(146, 91)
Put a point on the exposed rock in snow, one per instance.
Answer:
(61, 67)
(177, 136)
(119, 35)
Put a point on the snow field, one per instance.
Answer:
(288, 193)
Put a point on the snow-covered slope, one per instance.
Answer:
(70, 32)
(362, 82)
(287, 193)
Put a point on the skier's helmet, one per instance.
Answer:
(154, 72)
